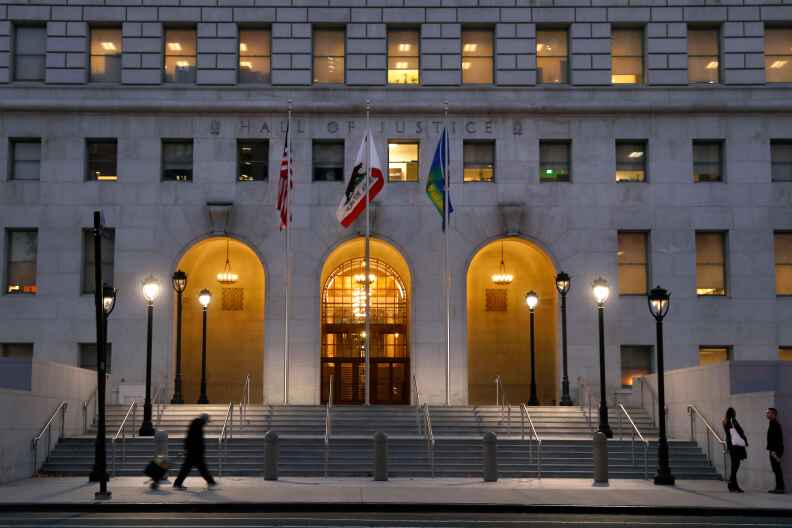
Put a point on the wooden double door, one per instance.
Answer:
(389, 380)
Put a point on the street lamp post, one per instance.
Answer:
(179, 283)
(659, 302)
(151, 289)
(563, 283)
(532, 300)
(601, 292)
(205, 297)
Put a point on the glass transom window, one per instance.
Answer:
(627, 56)
(180, 56)
(254, 56)
(403, 161)
(551, 56)
(703, 55)
(778, 55)
(106, 48)
(328, 51)
(477, 53)
(631, 161)
(404, 54)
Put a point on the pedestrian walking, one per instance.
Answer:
(775, 446)
(736, 442)
(194, 451)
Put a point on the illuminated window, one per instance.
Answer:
(88, 356)
(479, 161)
(252, 160)
(712, 355)
(551, 56)
(631, 161)
(177, 160)
(30, 53)
(703, 56)
(404, 54)
(636, 361)
(328, 53)
(106, 47)
(21, 253)
(627, 56)
(25, 162)
(783, 262)
(778, 55)
(403, 161)
(785, 353)
(633, 256)
(707, 161)
(89, 259)
(554, 161)
(102, 159)
(781, 160)
(180, 56)
(328, 160)
(254, 56)
(477, 53)
(710, 263)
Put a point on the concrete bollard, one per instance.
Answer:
(380, 456)
(271, 455)
(490, 457)
(161, 450)
(600, 456)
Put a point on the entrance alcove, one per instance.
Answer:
(498, 324)
(235, 321)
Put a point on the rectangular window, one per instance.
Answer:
(781, 160)
(636, 361)
(633, 262)
(255, 54)
(404, 56)
(180, 51)
(403, 161)
(328, 53)
(778, 55)
(89, 259)
(477, 52)
(707, 161)
(479, 161)
(552, 56)
(21, 253)
(20, 351)
(88, 358)
(710, 263)
(30, 53)
(102, 159)
(785, 353)
(703, 55)
(712, 355)
(628, 56)
(782, 249)
(106, 47)
(252, 160)
(16, 363)
(555, 161)
(177, 160)
(328, 161)
(25, 159)
(631, 161)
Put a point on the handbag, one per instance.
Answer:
(736, 439)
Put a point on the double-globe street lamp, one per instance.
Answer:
(563, 283)
(532, 300)
(659, 302)
(205, 297)
(179, 283)
(601, 292)
(151, 289)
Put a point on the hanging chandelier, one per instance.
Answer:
(502, 278)
(360, 279)
(227, 276)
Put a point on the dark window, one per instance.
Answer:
(89, 260)
(781, 160)
(252, 160)
(555, 161)
(30, 53)
(636, 360)
(25, 159)
(479, 161)
(106, 47)
(328, 161)
(21, 256)
(21, 351)
(88, 359)
(180, 56)
(254, 55)
(177, 160)
(631, 161)
(102, 157)
(633, 258)
(707, 161)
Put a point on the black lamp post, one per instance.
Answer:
(563, 283)
(205, 297)
(532, 300)
(151, 289)
(601, 292)
(179, 283)
(659, 302)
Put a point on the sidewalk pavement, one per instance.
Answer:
(71, 492)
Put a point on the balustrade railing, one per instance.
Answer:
(47, 429)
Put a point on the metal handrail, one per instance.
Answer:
(584, 395)
(653, 394)
(328, 423)
(417, 403)
(523, 415)
(502, 401)
(429, 436)
(62, 406)
(122, 433)
(244, 402)
(226, 434)
(156, 400)
(85, 405)
(635, 432)
(694, 412)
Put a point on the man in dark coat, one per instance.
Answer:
(775, 445)
(194, 450)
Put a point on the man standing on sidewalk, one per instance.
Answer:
(195, 449)
(775, 445)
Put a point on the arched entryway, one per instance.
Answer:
(343, 323)
(235, 321)
(498, 322)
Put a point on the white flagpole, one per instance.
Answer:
(288, 259)
(447, 273)
(368, 254)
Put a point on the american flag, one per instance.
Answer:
(285, 183)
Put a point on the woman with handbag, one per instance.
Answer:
(736, 442)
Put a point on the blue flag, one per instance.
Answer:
(436, 181)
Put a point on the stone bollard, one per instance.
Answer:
(161, 450)
(490, 457)
(600, 455)
(380, 456)
(271, 455)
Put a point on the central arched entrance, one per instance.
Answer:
(343, 325)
